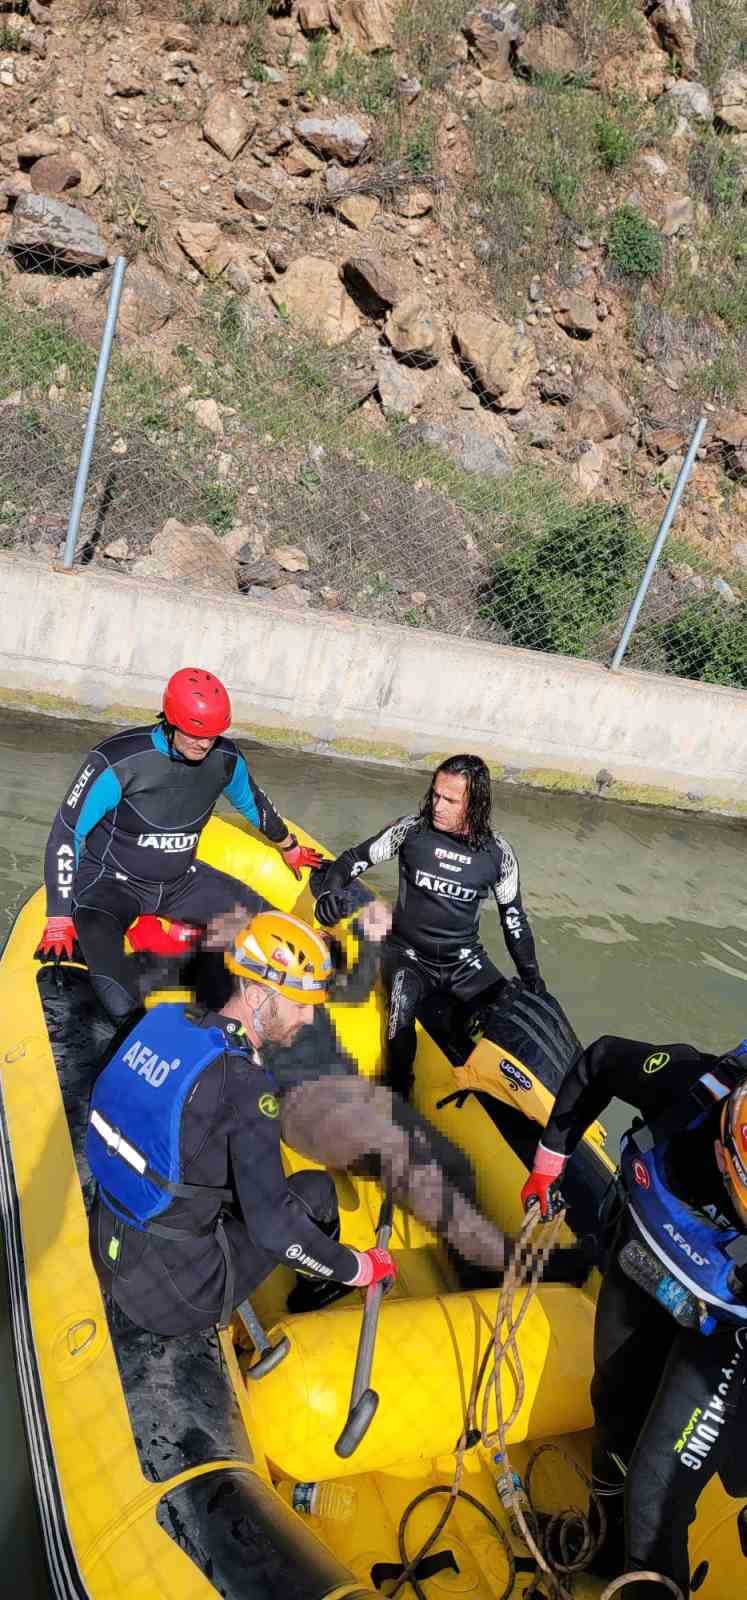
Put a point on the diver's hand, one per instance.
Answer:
(374, 1266)
(547, 1170)
(297, 855)
(59, 941)
(147, 933)
(331, 907)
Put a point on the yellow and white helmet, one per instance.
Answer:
(285, 954)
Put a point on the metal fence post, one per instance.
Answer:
(658, 545)
(94, 410)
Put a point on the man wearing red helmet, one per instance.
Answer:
(123, 843)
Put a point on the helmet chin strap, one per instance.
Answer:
(257, 1023)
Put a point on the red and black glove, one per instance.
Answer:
(298, 855)
(59, 941)
(548, 1168)
(374, 1266)
(148, 933)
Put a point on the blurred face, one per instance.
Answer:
(189, 746)
(449, 802)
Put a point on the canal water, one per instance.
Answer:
(639, 919)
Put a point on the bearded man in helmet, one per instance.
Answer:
(122, 845)
(193, 1208)
(669, 1390)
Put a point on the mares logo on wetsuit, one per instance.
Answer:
(443, 886)
(268, 1105)
(172, 842)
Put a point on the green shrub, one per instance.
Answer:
(707, 642)
(714, 172)
(730, 304)
(420, 146)
(557, 591)
(218, 505)
(615, 143)
(563, 185)
(634, 245)
(31, 350)
(365, 81)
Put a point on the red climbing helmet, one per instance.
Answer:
(195, 702)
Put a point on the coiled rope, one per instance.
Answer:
(567, 1531)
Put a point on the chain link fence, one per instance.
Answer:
(264, 461)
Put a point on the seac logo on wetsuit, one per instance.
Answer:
(77, 789)
(444, 886)
(168, 841)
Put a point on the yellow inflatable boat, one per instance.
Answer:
(163, 1473)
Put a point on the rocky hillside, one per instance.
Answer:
(413, 285)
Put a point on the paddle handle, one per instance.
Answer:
(363, 1399)
(270, 1355)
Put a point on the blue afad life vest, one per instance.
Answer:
(696, 1251)
(133, 1142)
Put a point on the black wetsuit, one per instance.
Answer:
(123, 843)
(657, 1385)
(230, 1137)
(434, 942)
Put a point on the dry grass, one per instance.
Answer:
(721, 30)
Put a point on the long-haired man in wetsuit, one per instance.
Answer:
(449, 862)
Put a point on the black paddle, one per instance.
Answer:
(363, 1399)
